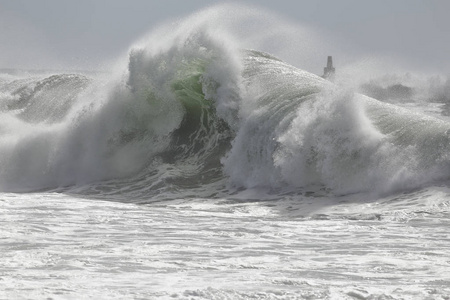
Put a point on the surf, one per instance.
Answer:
(189, 107)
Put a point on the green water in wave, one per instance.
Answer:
(188, 90)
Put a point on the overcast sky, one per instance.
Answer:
(86, 34)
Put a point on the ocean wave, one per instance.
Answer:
(194, 109)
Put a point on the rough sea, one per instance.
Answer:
(197, 169)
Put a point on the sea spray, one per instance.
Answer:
(177, 105)
(189, 107)
(300, 130)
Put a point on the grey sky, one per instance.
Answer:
(87, 33)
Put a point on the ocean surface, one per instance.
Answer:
(196, 169)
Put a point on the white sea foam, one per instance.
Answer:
(60, 246)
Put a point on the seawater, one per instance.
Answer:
(62, 247)
(197, 169)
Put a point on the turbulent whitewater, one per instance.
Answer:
(228, 174)
(195, 115)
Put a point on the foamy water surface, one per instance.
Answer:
(62, 247)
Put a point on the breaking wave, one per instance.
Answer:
(191, 108)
